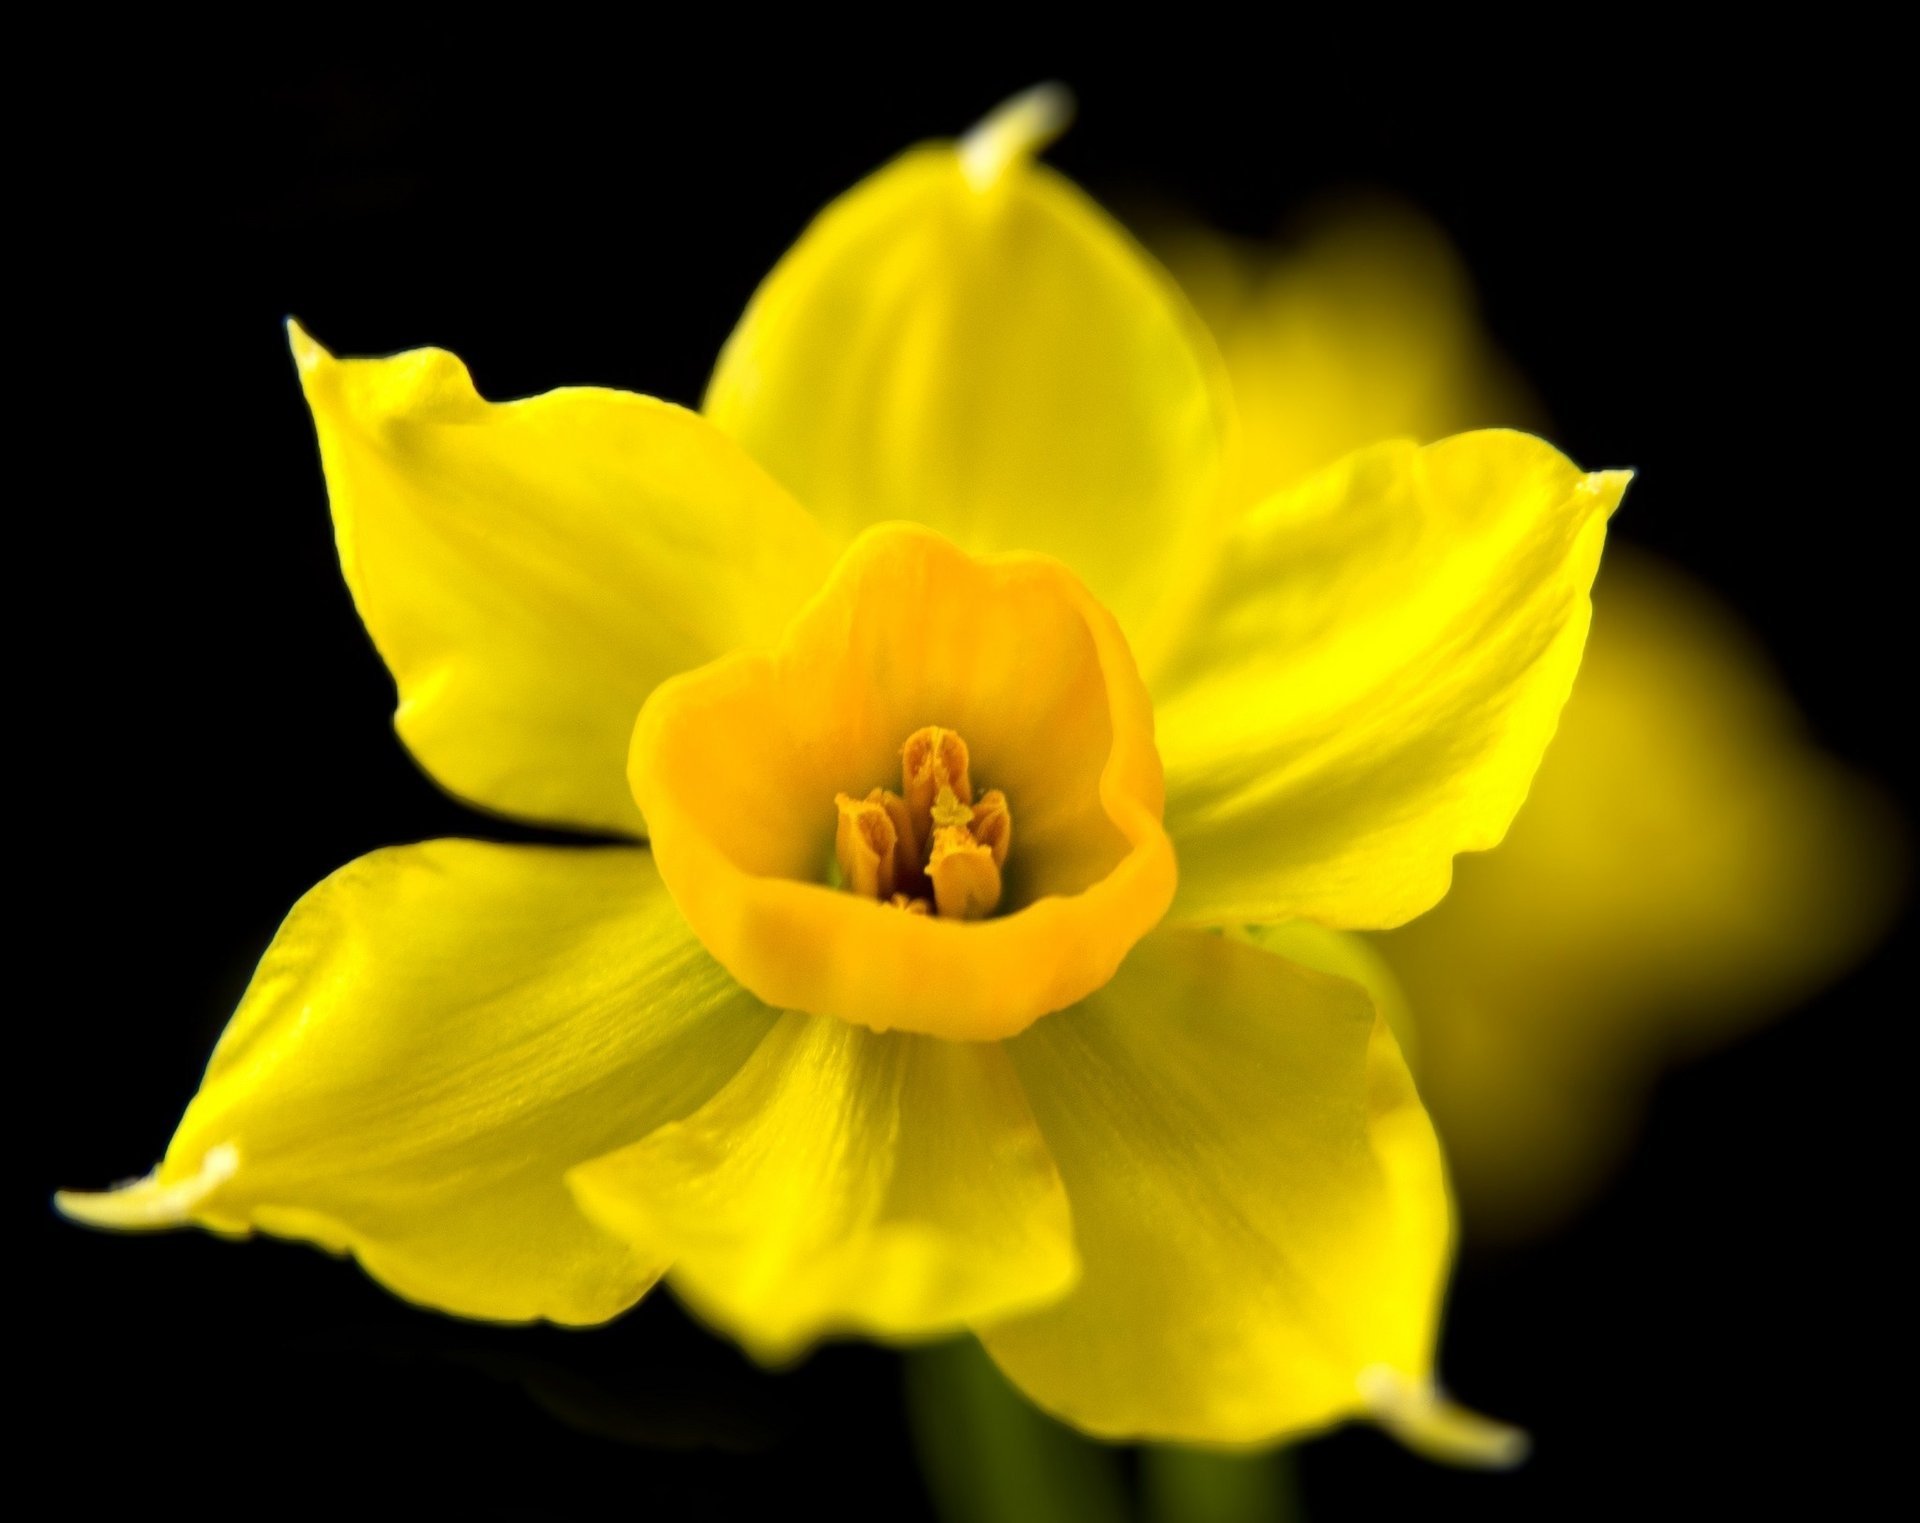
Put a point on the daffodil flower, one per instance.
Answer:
(912, 1014)
(1362, 327)
(1688, 863)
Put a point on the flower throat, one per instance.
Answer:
(930, 849)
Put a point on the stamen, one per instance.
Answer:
(1016, 130)
(992, 825)
(931, 761)
(935, 850)
(864, 844)
(966, 880)
(907, 876)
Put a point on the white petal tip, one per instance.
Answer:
(1419, 1415)
(1608, 486)
(1014, 133)
(306, 353)
(147, 1204)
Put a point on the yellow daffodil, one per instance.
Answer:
(912, 1014)
(1364, 328)
(1687, 862)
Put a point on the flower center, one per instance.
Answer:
(738, 765)
(930, 848)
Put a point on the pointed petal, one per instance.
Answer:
(966, 341)
(531, 570)
(1257, 1197)
(436, 1035)
(1369, 683)
(151, 1203)
(1416, 1413)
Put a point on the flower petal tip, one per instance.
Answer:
(1607, 487)
(1420, 1416)
(1014, 132)
(307, 354)
(147, 1205)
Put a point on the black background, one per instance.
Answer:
(1688, 251)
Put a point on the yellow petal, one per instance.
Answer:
(1688, 863)
(738, 765)
(437, 1034)
(530, 570)
(848, 1182)
(1257, 1198)
(1348, 955)
(989, 354)
(1370, 680)
(1364, 329)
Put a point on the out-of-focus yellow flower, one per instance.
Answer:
(1686, 863)
(1364, 329)
(905, 1022)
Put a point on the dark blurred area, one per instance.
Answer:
(1687, 251)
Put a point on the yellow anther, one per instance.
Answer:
(908, 877)
(864, 844)
(935, 851)
(992, 825)
(966, 880)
